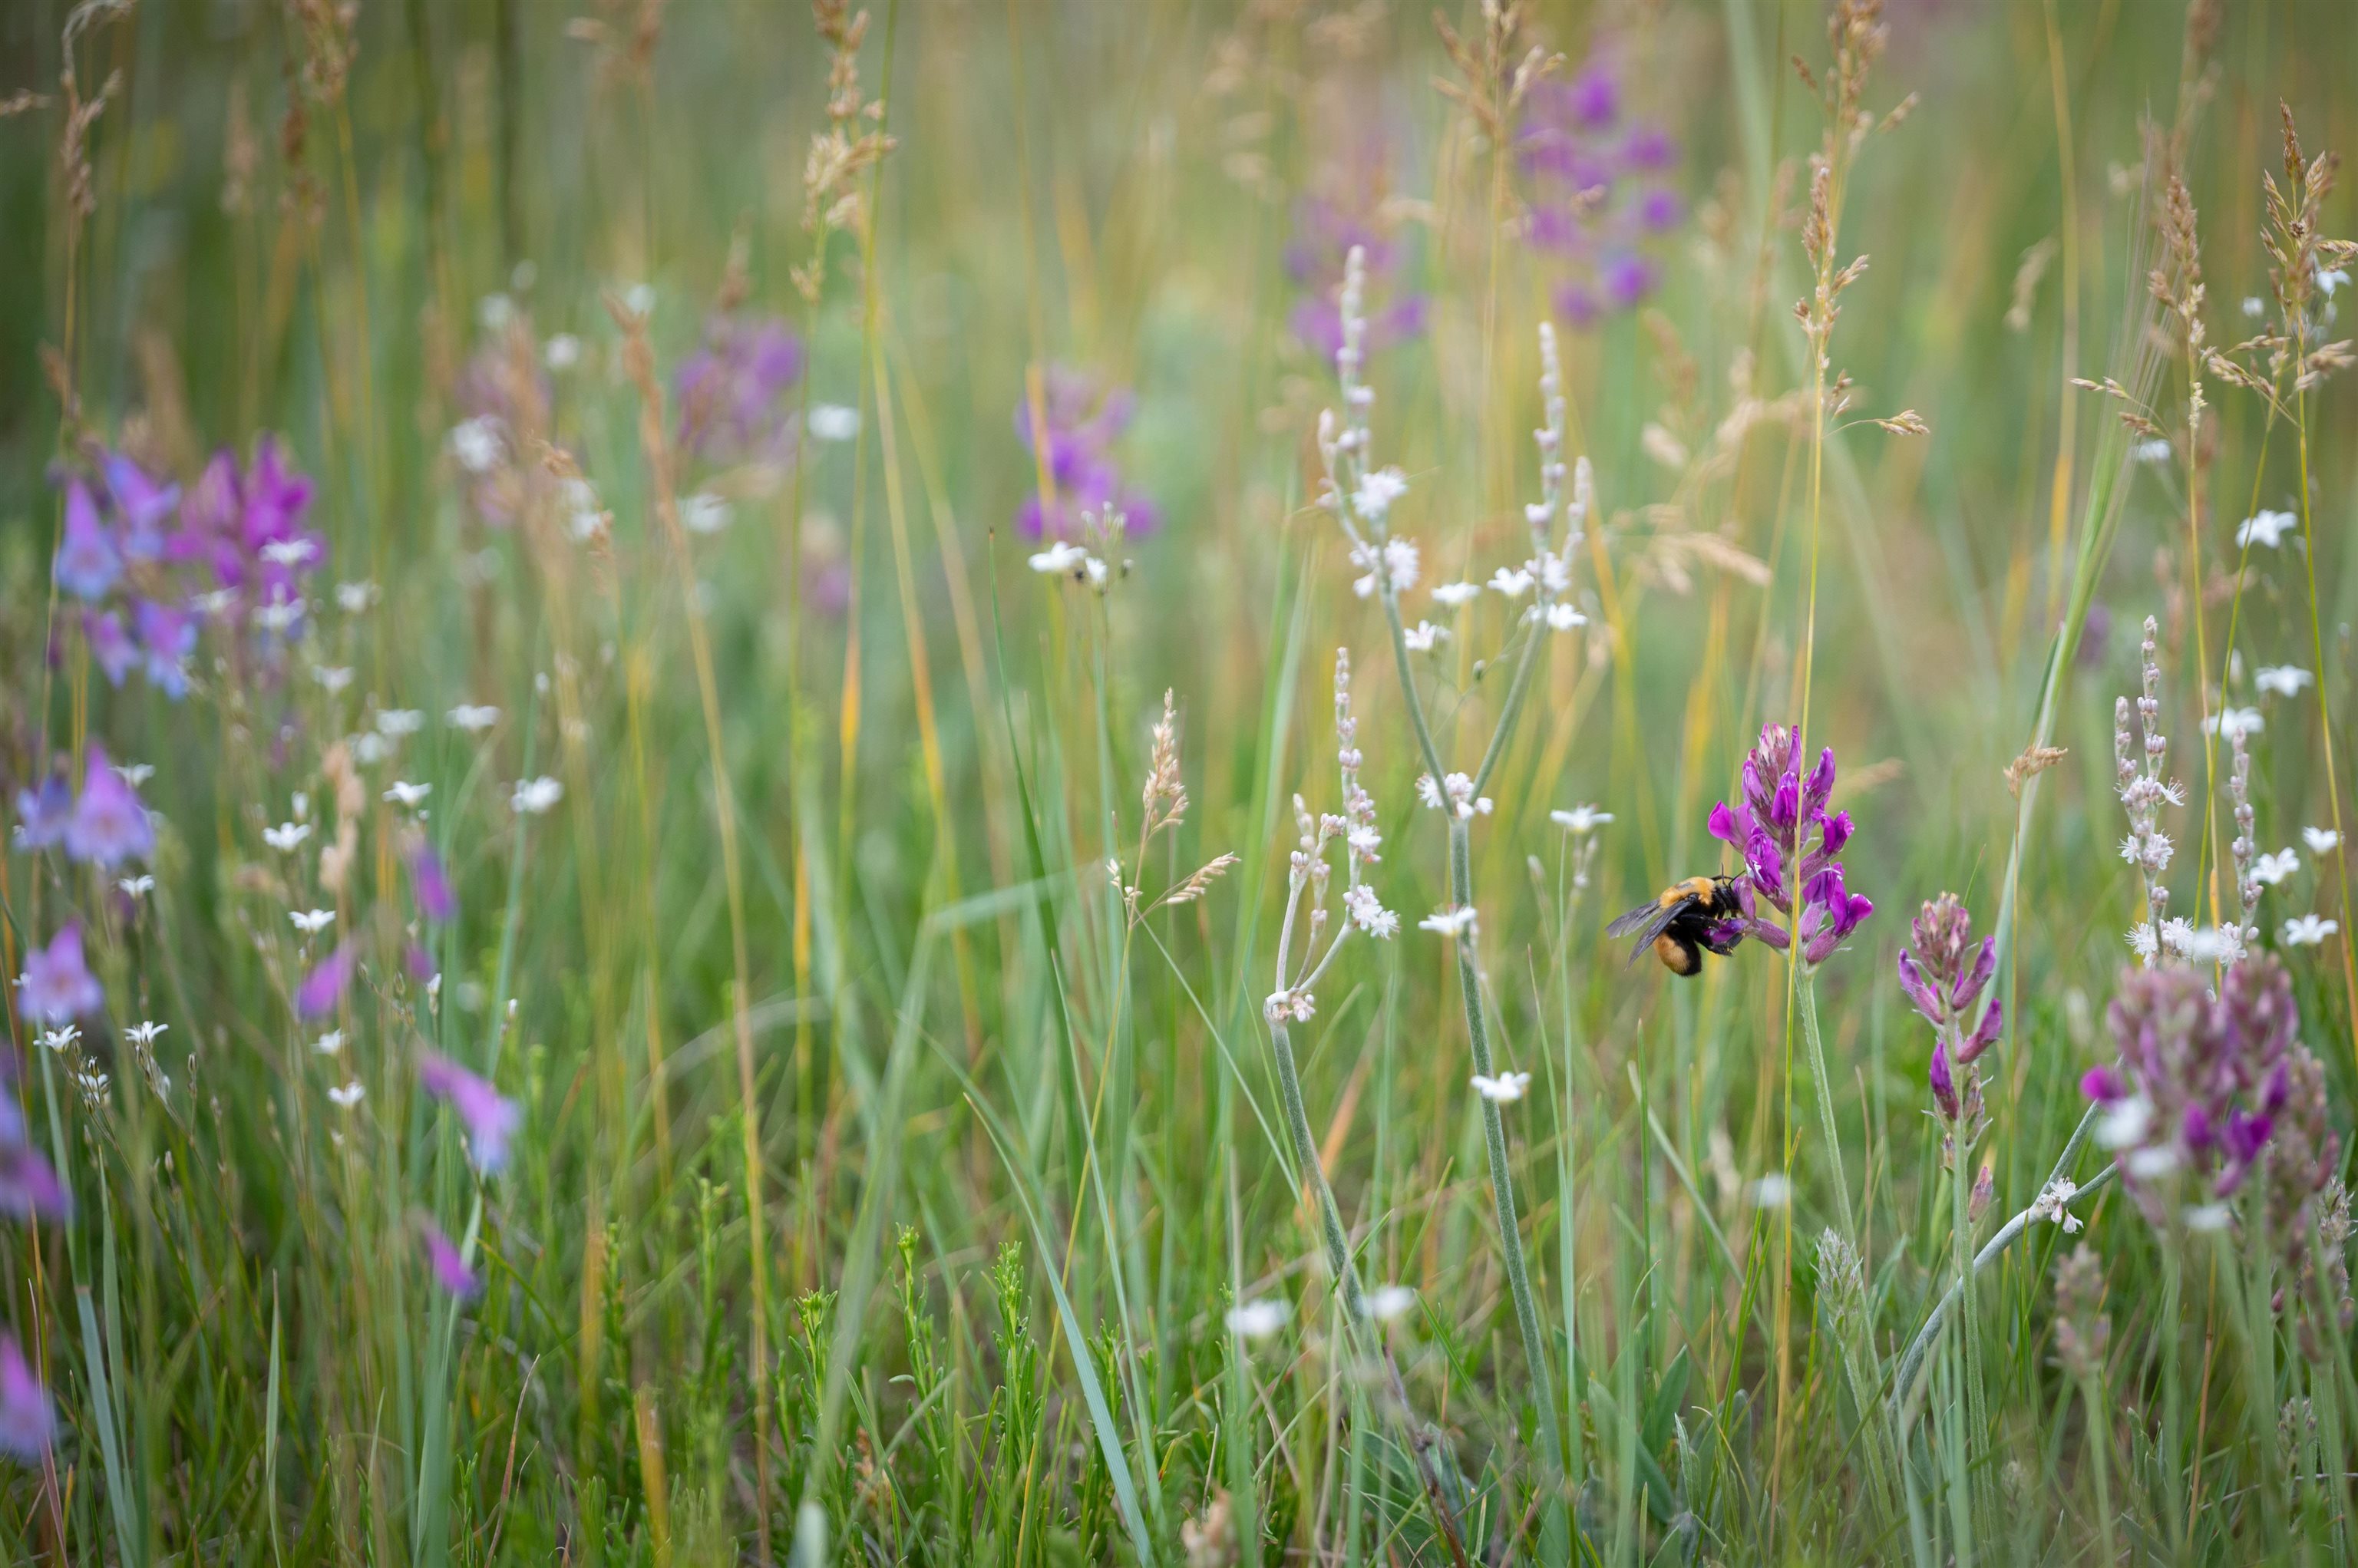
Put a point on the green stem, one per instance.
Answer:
(1807, 995)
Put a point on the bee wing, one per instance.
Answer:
(1646, 922)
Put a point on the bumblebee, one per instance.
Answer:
(1682, 923)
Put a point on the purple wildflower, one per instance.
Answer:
(110, 644)
(2203, 1081)
(141, 501)
(109, 825)
(1789, 842)
(249, 530)
(1944, 973)
(29, 1185)
(1083, 421)
(88, 561)
(450, 1270)
(491, 1118)
(57, 986)
(323, 988)
(1323, 234)
(28, 1422)
(42, 814)
(732, 390)
(167, 638)
(428, 880)
(1598, 202)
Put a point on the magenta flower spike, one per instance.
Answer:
(57, 986)
(28, 1424)
(490, 1118)
(449, 1266)
(323, 988)
(109, 826)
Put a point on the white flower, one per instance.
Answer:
(311, 922)
(1459, 788)
(2265, 528)
(2153, 451)
(332, 677)
(2330, 279)
(1774, 1190)
(1368, 912)
(331, 1043)
(286, 836)
(1580, 820)
(1512, 581)
(293, 552)
(562, 351)
(216, 602)
(705, 512)
(1377, 493)
(1257, 1320)
(135, 774)
(1394, 566)
(2308, 931)
(143, 1035)
(60, 1039)
(494, 311)
(473, 718)
(2235, 722)
(1555, 573)
(1504, 1089)
(2207, 1217)
(1058, 558)
(1294, 1003)
(834, 422)
(1385, 1303)
(534, 797)
(2210, 945)
(2284, 680)
(2320, 840)
(477, 444)
(136, 887)
(352, 598)
(1453, 922)
(396, 722)
(1095, 569)
(2141, 941)
(1561, 617)
(2178, 936)
(2148, 1164)
(1456, 595)
(349, 1096)
(2125, 1122)
(2251, 306)
(279, 616)
(406, 794)
(638, 299)
(2049, 1205)
(1422, 636)
(2270, 869)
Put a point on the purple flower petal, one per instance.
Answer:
(434, 900)
(88, 562)
(28, 1424)
(450, 1270)
(323, 988)
(491, 1119)
(57, 986)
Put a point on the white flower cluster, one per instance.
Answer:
(1453, 794)
(2144, 791)
(1310, 871)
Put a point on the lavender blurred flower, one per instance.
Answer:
(43, 814)
(490, 1118)
(2203, 1081)
(143, 504)
(109, 826)
(1083, 420)
(28, 1184)
(732, 390)
(88, 562)
(323, 988)
(57, 986)
(430, 883)
(248, 530)
(1601, 200)
(1323, 233)
(1944, 973)
(450, 1270)
(28, 1422)
(1789, 842)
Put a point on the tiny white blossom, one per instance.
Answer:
(1512, 581)
(2049, 1206)
(1562, 617)
(2330, 279)
(136, 887)
(349, 1096)
(352, 598)
(2125, 1122)
(2267, 528)
(2235, 722)
(1393, 565)
(1058, 558)
(1385, 1303)
(279, 616)
(286, 836)
(705, 512)
(1422, 636)
(561, 352)
(143, 1034)
(2320, 840)
(533, 797)
(1257, 1320)
(396, 722)
(2178, 936)
(2270, 869)
(1453, 922)
(1504, 1089)
(1095, 569)
(60, 1039)
(2284, 680)
(1368, 912)
(1774, 1190)
(2153, 451)
(311, 922)
(405, 793)
(2141, 939)
(473, 718)
(333, 679)
(293, 552)
(331, 1043)
(2210, 945)
(135, 774)
(2207, 1217)
(2308, 931)
(834, 422)
(2152, 1161)
(1377, 493)
(2251, 306)
(1580, 820)
(1456, 595)
(477, 444)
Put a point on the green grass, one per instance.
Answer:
(884, 1177)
